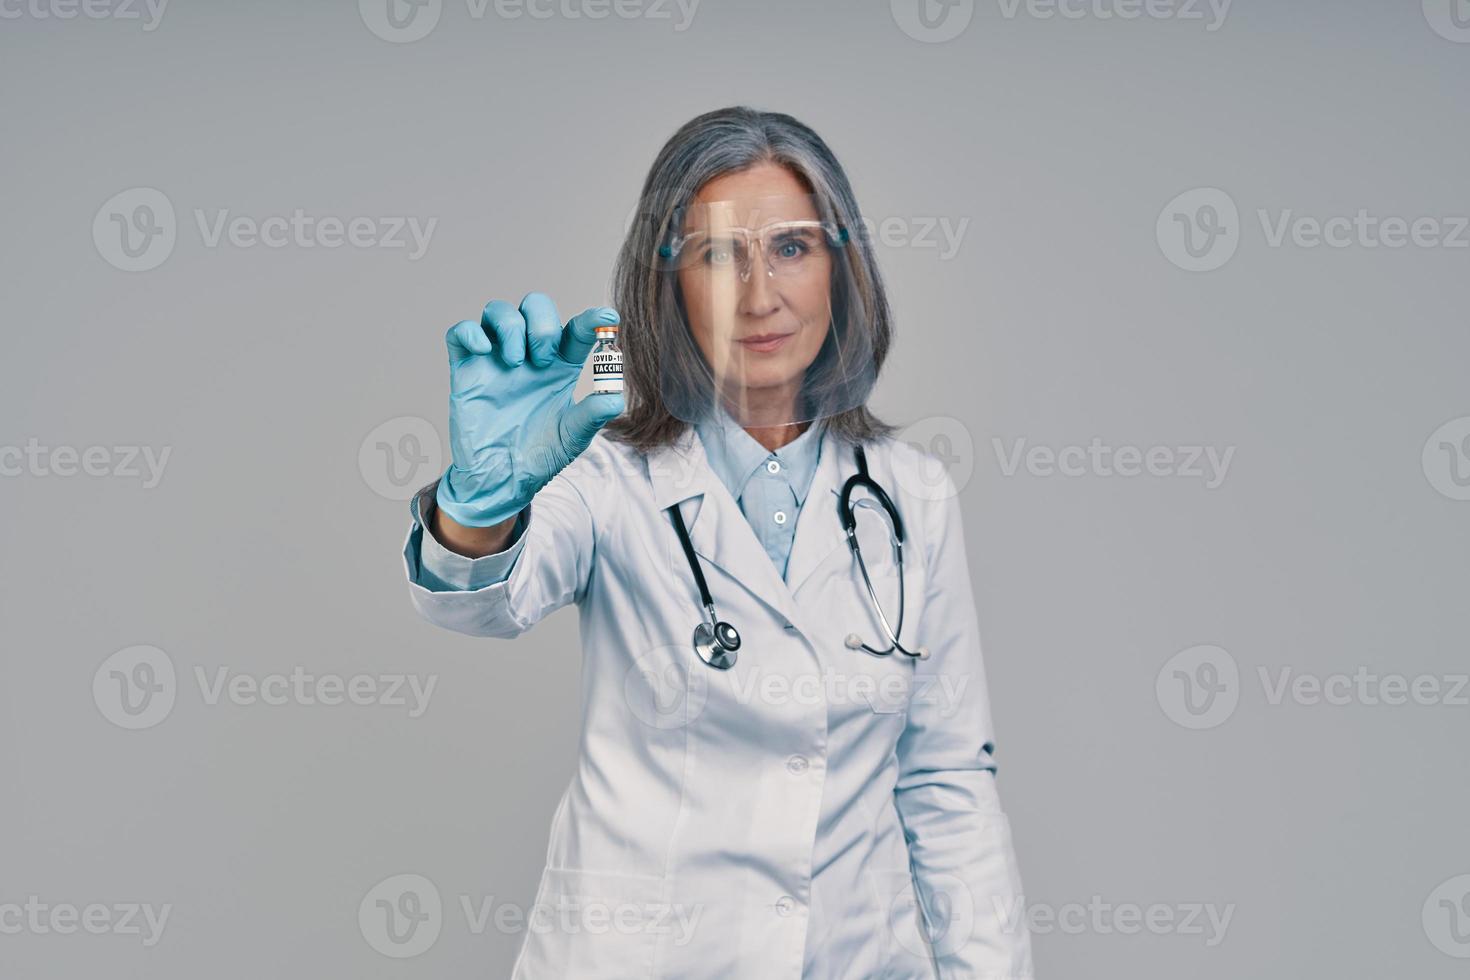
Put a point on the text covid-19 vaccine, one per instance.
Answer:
(607, 361)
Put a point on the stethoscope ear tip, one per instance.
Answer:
(853, 641)
(923, 653)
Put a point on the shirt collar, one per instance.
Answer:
(735, 455)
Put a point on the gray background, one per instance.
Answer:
(267, 546)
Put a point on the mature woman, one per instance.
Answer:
(786, 764)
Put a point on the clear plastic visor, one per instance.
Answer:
(772, 316)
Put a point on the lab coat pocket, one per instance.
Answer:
(886, 691)
(905, 950)
(594, 924)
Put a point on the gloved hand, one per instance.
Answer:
(512, 422)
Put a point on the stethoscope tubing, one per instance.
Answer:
(716, 642)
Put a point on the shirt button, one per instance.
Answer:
(772, 466)
(785, 905)
(796, 765)
(779, 517)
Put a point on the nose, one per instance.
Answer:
(758, 296)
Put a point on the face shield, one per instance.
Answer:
(770, 313)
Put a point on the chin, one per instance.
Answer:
(769, 376)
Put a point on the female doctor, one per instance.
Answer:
(786, 766)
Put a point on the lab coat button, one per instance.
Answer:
(779, 517)
(796, 765)
(772, 466)
(785, 905)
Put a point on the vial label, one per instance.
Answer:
(607, 371)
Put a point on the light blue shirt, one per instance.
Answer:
(769, 486)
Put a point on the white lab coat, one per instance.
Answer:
(768, 822)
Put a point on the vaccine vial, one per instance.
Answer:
(607, 361)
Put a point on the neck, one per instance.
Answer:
(767, 424)
(775, 436)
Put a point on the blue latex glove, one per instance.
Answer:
(512, 422)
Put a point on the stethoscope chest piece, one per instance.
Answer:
(717, 646)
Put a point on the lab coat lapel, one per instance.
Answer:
(818, 530)
(719, 532)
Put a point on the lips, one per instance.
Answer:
(764, 343)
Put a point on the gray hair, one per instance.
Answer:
(656, 342)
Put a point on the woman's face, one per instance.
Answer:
(726, 308)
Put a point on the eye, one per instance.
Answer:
(720, 252)
(792, 246)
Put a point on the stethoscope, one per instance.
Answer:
(717, 642)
